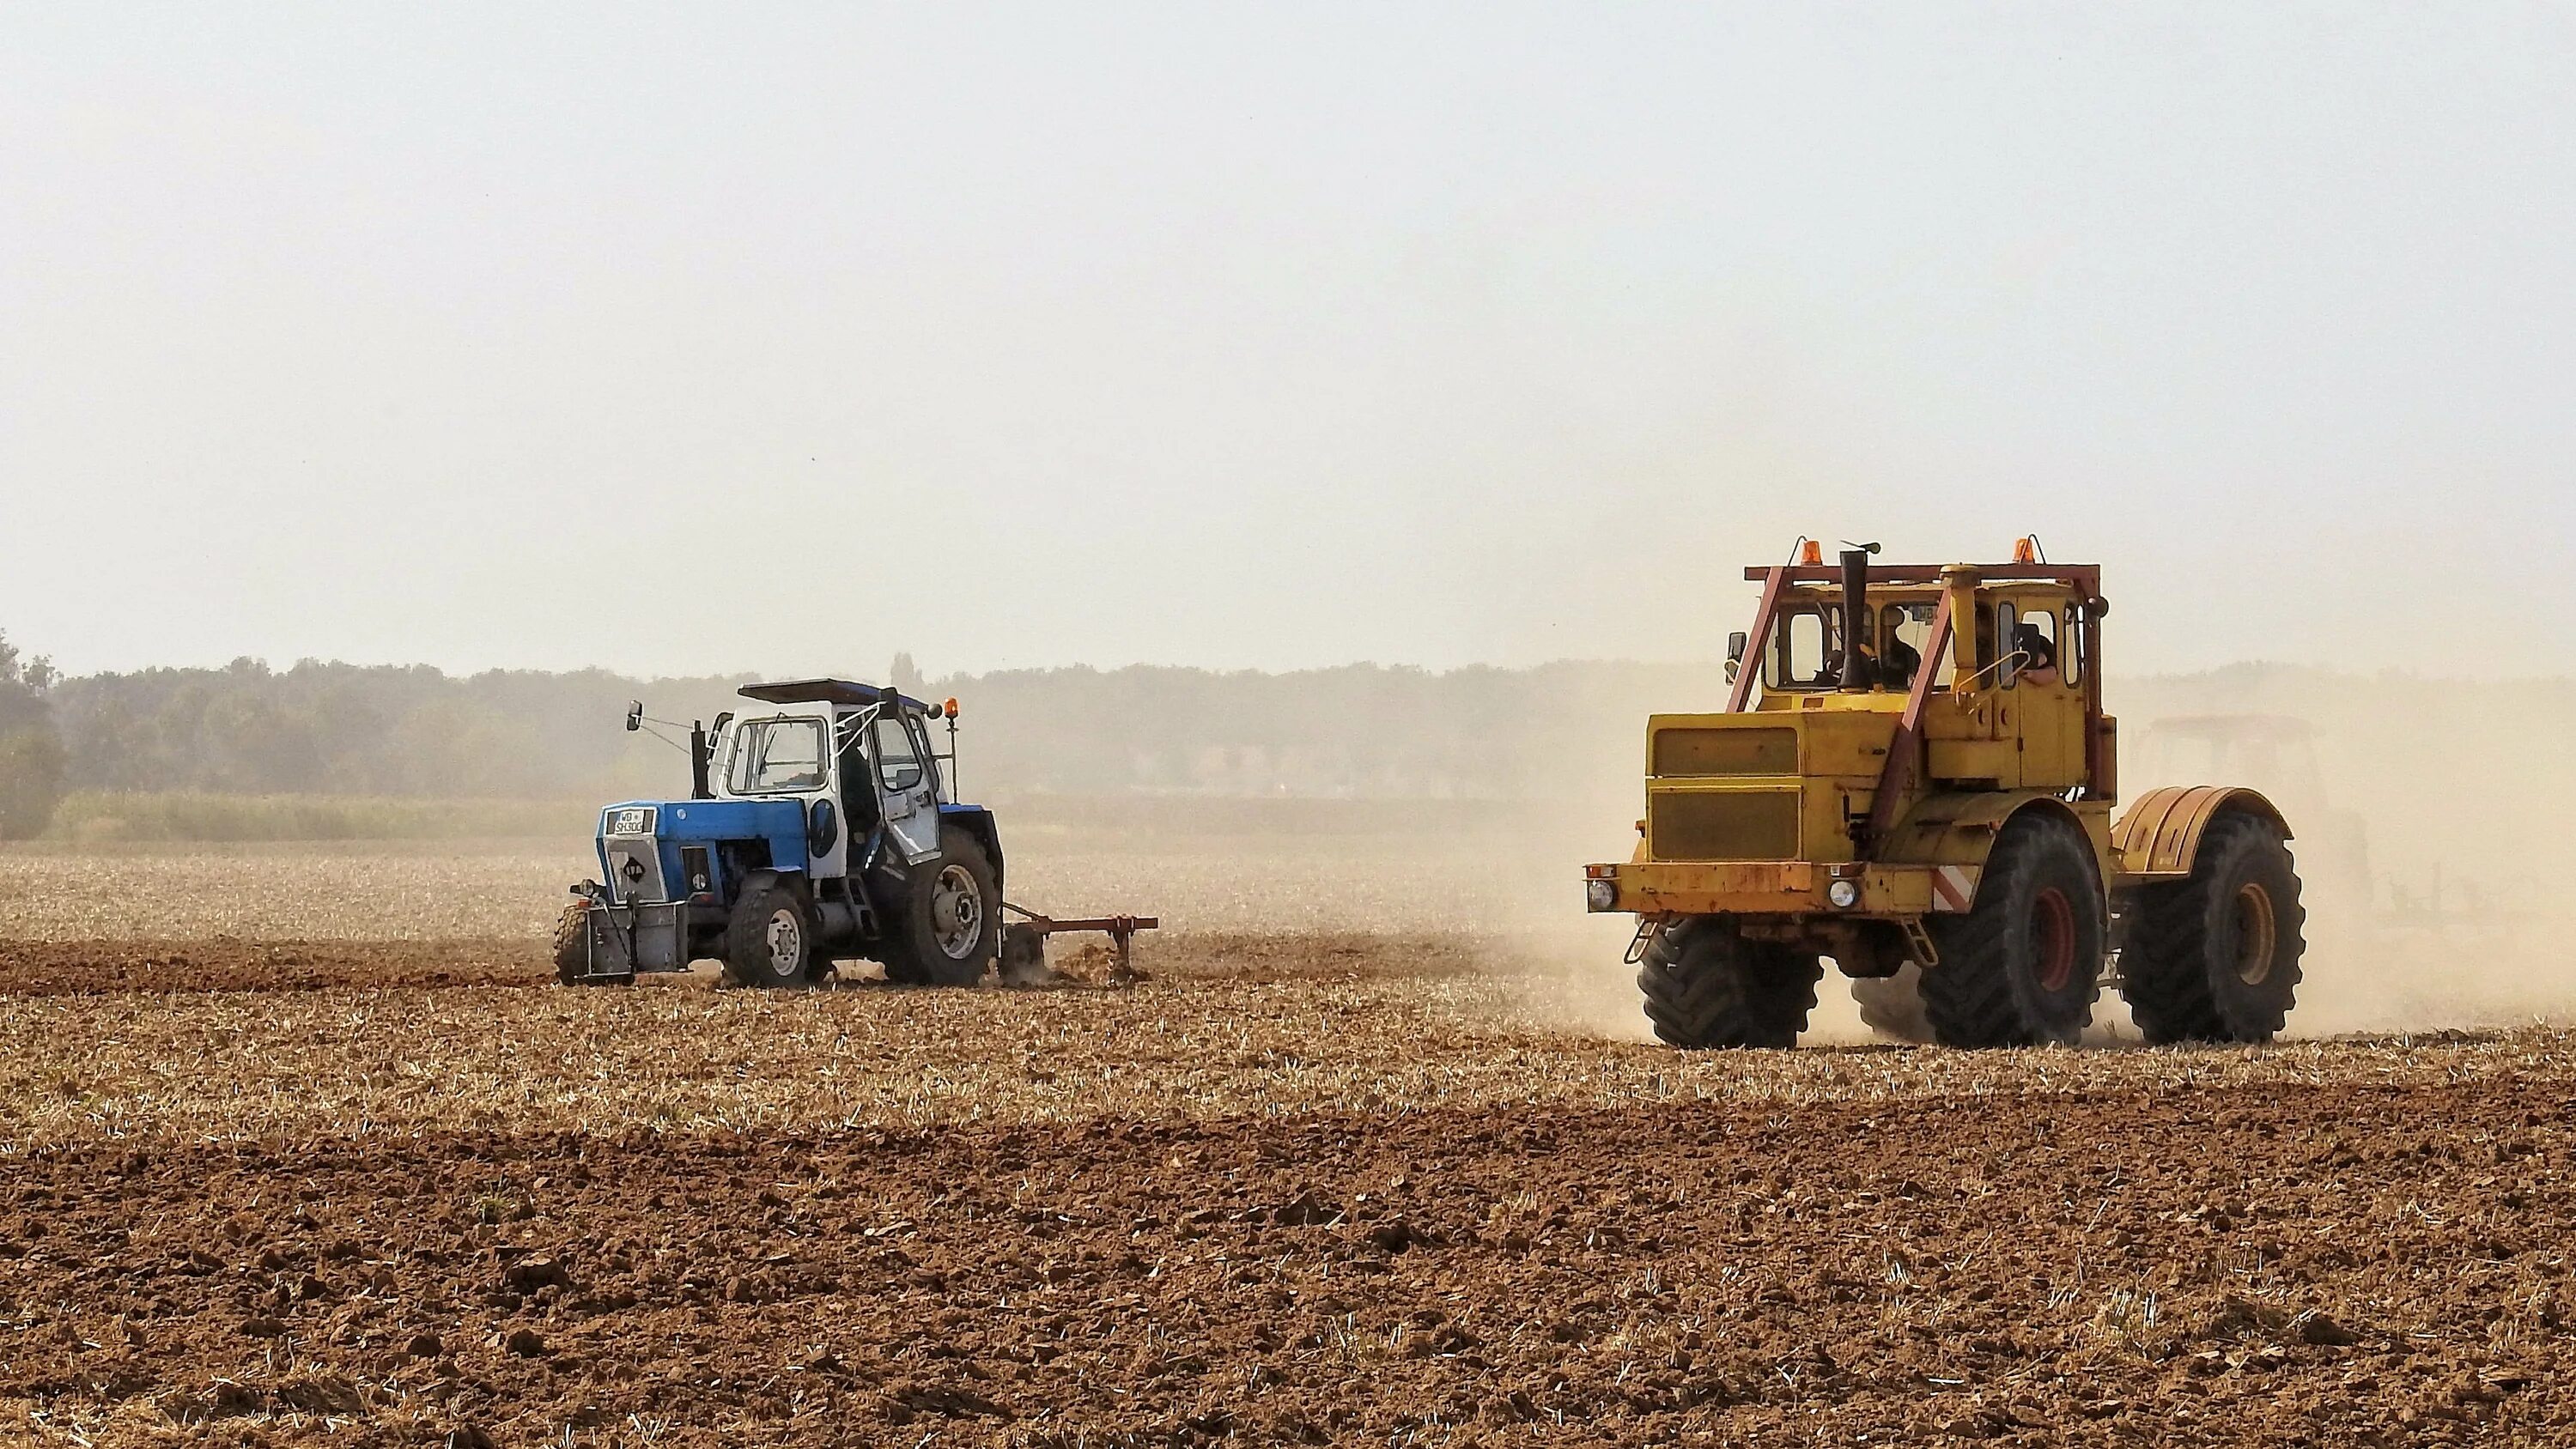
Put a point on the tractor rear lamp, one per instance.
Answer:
(1601, 894)
(1844, 894)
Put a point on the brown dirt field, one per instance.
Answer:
(1298, 1188)
(2381, 1267)
(95, 968)
(111, 967)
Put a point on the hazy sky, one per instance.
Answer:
(781, 337)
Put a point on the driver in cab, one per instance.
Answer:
(2039, 655)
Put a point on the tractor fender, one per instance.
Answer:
(765, 877)
(977, 822)
(2158, 838)
(1960, 830)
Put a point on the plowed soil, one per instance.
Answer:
(101, 968)
(1331, 1189)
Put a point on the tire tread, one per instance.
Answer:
(2168, 974)
(1970, 998)
(1707, 987)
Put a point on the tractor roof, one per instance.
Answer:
(827, 691)
(2083, 576)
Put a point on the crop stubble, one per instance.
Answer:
(1317, 1185)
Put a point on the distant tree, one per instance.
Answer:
(31, 753)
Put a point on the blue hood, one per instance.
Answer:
(696, 820)
(709, 822)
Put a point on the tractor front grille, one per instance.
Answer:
(635, 869)
(1722, 824)
(1733, 750)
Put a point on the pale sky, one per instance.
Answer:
(703, 338)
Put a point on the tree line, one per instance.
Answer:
(32, 762)
(2443, 767)
(1357, 731)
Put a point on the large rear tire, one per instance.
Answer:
(2217, 957)
(1892, 1006)
(2023, 966)
(1708, 987)
(946, 927)
(770, 941)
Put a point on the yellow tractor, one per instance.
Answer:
(1914, 775)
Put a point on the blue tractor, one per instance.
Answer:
(821, 827)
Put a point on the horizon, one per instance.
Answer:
(273, 669)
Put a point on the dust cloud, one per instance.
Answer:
(2424, 815)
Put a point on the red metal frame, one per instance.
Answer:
(1905, 751)
(1774, 580)
(2087, 577)
(1904, 754)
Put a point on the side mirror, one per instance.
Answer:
(634, 715)
(1735, 644)
(1733, 668)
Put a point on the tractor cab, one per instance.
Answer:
(2032, 633)
(858, 757)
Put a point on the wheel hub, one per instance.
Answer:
(956, 912)
(2052, 939)
(2257, 935)
(786, 939)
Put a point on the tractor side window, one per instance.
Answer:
(1802, 651)
(775, 756)
(929, 752)
(2031, 643)
(899, 764)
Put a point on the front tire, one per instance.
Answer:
(770, 941)
(947, 925)
(1708, 987)
(2216, 957)
(572, 949)
(2023, 966)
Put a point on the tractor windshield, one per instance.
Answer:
(776, 756)
(1805, 650)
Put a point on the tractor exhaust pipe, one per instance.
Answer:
(699, 789)
(1856, 670)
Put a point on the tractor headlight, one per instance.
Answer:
(1601, 894)
(1845, 894)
